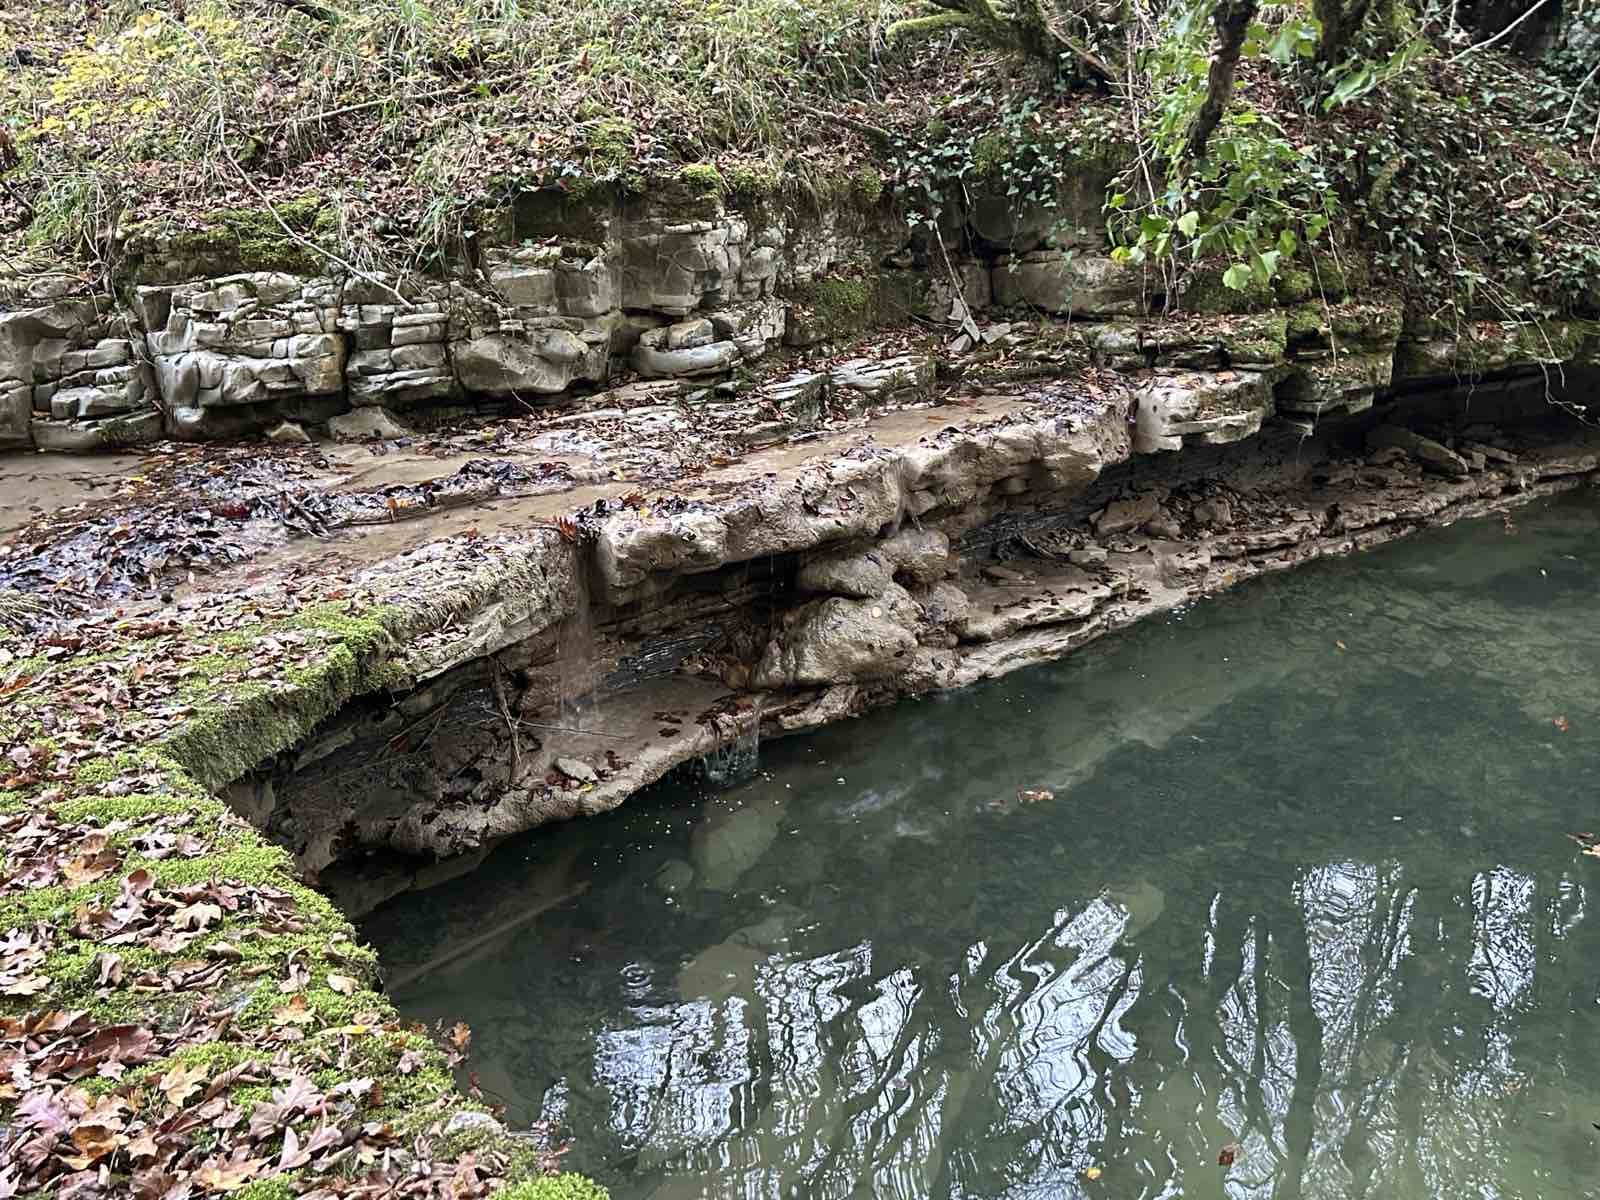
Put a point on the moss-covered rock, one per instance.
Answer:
(285, 237)
(1203, 292)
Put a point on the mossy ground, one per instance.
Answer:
(200, 711)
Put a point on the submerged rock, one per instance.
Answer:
(729, 842)
(1144, 902)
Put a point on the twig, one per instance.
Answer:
(862, 127)
(499, 687)
(1501, 36)
(1577, 92)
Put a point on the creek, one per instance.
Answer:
(1287, 869)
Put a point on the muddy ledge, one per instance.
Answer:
(921, 555)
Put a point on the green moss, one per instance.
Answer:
(1337, 278)
(702, 179)
(244, 239)
(865, 185)
(990, 153)
(1305, 322)
(1259, 339)
(555, 1187)
(1204, 292)
(279, 1187)
(1294, 286)
(751, 183)
(839, 307)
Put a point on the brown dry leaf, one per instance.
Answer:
(460, 1035)
(1562, 723)
(89, 867)
(296, 1012)
(1229, 1154)
(342, 984)
(196, 916)
(28, 985)
(232, 1174)
(182, 1082)
(94, 1141)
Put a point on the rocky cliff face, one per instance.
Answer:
(827, 534)
(689, 290)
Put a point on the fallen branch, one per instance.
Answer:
(877, 133)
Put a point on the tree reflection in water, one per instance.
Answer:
(1315, 904)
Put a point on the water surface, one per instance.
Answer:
(1304, 885)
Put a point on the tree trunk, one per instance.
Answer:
(1232, 19)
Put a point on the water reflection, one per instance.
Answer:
(1314, 903)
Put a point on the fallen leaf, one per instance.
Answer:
(182, 1082)
(1229, 1154)
(196, 916)
(1093, 1173)
(1562, 724)
(342, 984)
(232, 1174)
(296, 1012)
(460, 1035)
(94, 1141)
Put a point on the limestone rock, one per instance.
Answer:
(576, 768)
(841, 641)
(676, 266)
(543, 361)
(1201, 407)
(288, 433)
(878, 381)
(1075, 284)
(366, 423)
(1425, 450)
(843, 573)
(113, 433)
(58, 359)
(16, 412)
(1122, 516)
(191, 423)
(919, 556)
(467, 1121)
(245, 339)
(656, 357)
(1215, 513)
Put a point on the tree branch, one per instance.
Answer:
(1232, 19)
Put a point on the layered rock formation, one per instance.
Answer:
(693, 289)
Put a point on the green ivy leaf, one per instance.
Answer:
(1188, 223)
(1236, 277)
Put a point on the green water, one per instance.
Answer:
(1313, 900)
